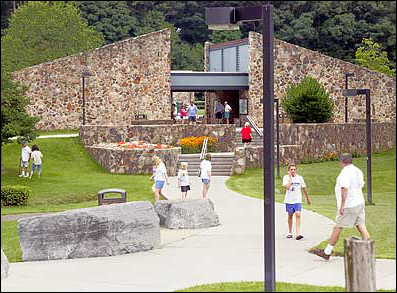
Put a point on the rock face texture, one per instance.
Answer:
(4, 265)
(100, 231)
(187, 214)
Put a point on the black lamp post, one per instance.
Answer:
(352, 93)
(347, 75)
(278, 135)
(85, 75)
(226, 18)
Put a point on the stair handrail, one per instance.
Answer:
(254, 126)
(204, 149)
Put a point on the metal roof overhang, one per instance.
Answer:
(185, 81)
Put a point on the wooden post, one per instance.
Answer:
(360, 265)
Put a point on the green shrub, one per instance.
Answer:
(308, 102)
(16, 195)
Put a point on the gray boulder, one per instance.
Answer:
(4, 265)
(90, 232)
(187, 214)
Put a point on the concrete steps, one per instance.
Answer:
(222, 163)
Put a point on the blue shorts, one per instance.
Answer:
(159, 184)
(227, 115)
(34, 167)
(205, 181)
(192, 118)
(291, 208)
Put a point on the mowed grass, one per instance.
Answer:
(70, 178)
(320, 179)
(259, 287)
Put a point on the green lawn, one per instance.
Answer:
(320, 179)
(70, 178)
(259, 287)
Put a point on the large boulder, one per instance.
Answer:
(100, 231)
(4, 265)
(187, 214)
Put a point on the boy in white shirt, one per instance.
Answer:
(294, 183)
(25, 158)
(37, 160)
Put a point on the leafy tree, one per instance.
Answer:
(14, 119)
(40, 32)
(113, 19)
(224, 36)
(308, 102)
(371, 56)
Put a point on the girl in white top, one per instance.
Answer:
(160, 177)
(205, 175)
(36, 156)
(183, 180)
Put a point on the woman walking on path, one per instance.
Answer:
(246, 134)
(160, 177)
(205, 174)
(183, 180)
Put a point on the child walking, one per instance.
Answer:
(183, 180)
(37, 157)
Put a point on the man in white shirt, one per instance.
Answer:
(350, 203)
(25, 158)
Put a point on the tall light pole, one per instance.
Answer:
(347, 75)
(226, 18)
(347, 93)
(84, 75)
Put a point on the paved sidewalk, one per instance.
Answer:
(232, 251)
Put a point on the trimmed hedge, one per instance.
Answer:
(16, 195)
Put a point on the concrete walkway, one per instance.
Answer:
(230, 252)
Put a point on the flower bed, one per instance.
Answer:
(193, 144)
(134, 157)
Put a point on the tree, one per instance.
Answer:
(14, 119)
(308, 102)
(39, 32)
(113, 19)
(224, 36)
(371, 56)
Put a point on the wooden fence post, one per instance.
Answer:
(360, 265)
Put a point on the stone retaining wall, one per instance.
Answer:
(302, 142)
(135, 161)
(165, 134)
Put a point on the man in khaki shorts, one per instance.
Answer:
(350, 202)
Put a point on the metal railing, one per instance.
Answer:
(204, 149)
(254, 126)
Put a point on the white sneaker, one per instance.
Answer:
(22, 175)
(26, 175)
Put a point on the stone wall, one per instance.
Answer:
(165, 134)
(129, 77)
(134, 161)
(300, 142)
(292, 63)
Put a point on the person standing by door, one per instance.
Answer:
(228, 109)
(219, 109)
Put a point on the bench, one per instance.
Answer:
(104, 201)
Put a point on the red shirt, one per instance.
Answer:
(183, 112)
(246, 133)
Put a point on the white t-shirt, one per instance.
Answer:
(36, 157)
(353, 179)
(294, 193)
(161, 171)
(228, 108)
(205, 167)
(25, 153)
(183, 176)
